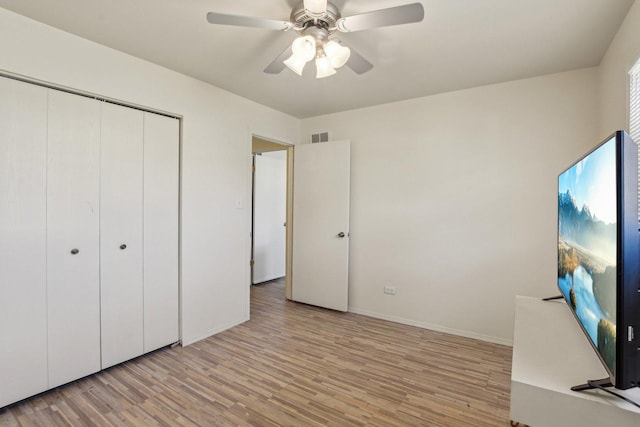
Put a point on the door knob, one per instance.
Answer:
(341, 234)
(123, 246)
(74, 251)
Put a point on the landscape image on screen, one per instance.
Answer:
(587, 246)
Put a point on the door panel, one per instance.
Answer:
(320, 214)
(270, 206)
(121, 292)
(73, 237)
(23, 291)
(161, 186)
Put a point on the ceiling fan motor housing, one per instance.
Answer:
(304, 20)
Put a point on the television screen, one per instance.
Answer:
(598, 252)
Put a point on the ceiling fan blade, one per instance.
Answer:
(382, 18)
(278, 64)
(357, 63)
(316, 7)
(248, 21)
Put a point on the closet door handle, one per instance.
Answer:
(123, 246)
(74, 251)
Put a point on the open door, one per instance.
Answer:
(269, 215)
(321, 224)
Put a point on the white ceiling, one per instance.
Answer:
(460, 44)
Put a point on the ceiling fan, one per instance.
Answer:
(316, 21)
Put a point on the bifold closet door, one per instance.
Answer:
(73, 213)
(161, 180)
(121, 288)
(23, 291)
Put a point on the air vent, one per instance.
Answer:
(320, 137)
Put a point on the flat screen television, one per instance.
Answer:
(599, 254)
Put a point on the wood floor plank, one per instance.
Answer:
(292, 365)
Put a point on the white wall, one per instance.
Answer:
(453, 196)
(623, 52)
(454, 199)
(216, 146)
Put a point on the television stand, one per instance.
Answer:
(551, 354)
(605, 382)
(552, 298)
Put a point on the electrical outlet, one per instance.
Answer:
(391, 290)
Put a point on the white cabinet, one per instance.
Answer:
(89, 195)
(73, 258)
(23, 310)
(161, 180)
(550, 355)
(121, 292)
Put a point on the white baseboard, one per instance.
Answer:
(355, 310)
(432, 327)
(190, 340)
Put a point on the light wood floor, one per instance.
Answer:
(294, 365)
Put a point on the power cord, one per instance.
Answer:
(594, 384)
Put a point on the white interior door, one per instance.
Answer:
(23, 287)
(121, 292)
(161, 186)
(321, 224)
(269, 216)
(73, 212)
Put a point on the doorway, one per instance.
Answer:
(321, 225)
(271, 212)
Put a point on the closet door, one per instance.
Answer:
(161, 174)
(121, 234)
(23, 292)
(73, 209)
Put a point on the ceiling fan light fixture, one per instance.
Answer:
(323, 67)
(295, 64)
(338, 55)
(304, 48)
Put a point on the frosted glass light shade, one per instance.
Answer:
(316, 7)
(338, 55)
(323, 67)
(304, 48)
(295, 64)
